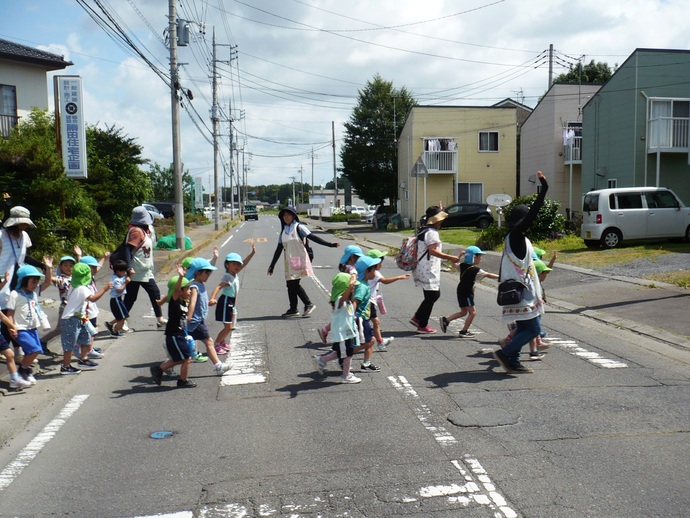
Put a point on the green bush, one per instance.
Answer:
(492, 237)
(339, 217)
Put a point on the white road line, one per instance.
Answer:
(247, 356)
(29, 453)
(573, 348)
(472, 471)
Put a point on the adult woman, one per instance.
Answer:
(427, 274)
(292, 244)
(139, 256)
(517, 263)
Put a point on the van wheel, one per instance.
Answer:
(687, 233)
(611, 238)
(591, 243)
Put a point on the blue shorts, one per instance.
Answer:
(465, 300)
(365, 331)
(4, 344)
(73, 334)
(225, 309)
(345, 348)
(29, 340)
(118, 308)
(177, 347)
(200, 332)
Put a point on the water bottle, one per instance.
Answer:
(191, 345)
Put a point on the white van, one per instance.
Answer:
(610, 216)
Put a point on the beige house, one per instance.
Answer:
(468, 152)
(551, 142)
(23, 83)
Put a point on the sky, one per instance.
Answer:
(290, 70)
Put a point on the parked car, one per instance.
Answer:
(155, 213)
(468, 215)
(167, 208)
(610, 216)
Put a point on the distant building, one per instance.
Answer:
(23, 82)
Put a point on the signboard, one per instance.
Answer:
(498, 200)
(69, 111)
(198, 193)
(317, 199)
(419, 170)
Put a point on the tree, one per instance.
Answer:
(163, 185)
(590, 73)
(369, 152)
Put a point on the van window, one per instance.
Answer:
(590, 203)
(629, 200)
(661, 200)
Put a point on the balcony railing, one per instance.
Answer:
(7, 124)
(441, 161)
(669, 134)
(573, 153)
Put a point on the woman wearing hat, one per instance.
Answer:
(427, 274)
(139, 256)
(517, 263)
(292, 244)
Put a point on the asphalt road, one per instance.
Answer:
(600, 428)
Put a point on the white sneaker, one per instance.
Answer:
(20, 383)
(319, 364)
(223, 368)
(94, 355)
(350, 378)
(383, 346)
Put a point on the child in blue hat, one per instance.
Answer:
(366, 271)
(469, 274)
(228, 287)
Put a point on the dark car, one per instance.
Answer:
(167, 208)
(468, 215)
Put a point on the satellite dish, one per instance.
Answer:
(532, 179)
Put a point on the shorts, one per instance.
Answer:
(464, 299)
(365, 331)
(4, 344)
(345, 349)
(73, 334)
(225, 309)
(29, 341)
(177, 347)
(372, 311)
(118, 308)
(200, 333)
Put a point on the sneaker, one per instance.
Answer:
(170, 373)
(465, 334)
(290, 313)
(19, 383)
(369, 367)
(350, 378)
(27, 374)
(504, 362)
(119, 334)
(443, 321)
(414, 321)
(87, 363)
(220, 349)
(426, 330)
(94, 355)
(536, 355)
(308, 310)
(323, 334)
(185, 383)
(383, 346)
(126, 328)
(222, 368)
(161, 323)
(69, 370)
(97, 349)
(109, 327)
(199, 358)
(319, 365)
(157, 374)
(521, 369)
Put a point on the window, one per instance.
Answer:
(612, 183)
(470, 192)
(661, 200)
(8, 109)
(488, 141)
(629, 200)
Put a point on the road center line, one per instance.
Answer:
(31, 450)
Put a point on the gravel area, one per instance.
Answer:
(642, 267)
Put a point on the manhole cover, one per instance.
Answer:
(162, 434)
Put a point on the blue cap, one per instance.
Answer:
(28, 271)
(90, 260)
(350, 250)
(233, 257)
(67, 258)
(198, 264)
(470, 252)
(363, 263)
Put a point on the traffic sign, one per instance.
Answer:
(419, 170)
(498, 200)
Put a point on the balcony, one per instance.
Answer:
(573, 154)
(668, 134)
(7, 124)
(441, 162)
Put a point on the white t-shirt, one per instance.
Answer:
(374, 285)
(76, 302)
(26, 310)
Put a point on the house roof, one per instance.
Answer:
(11, 51)
(508, 102)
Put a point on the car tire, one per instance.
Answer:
(483, 223)
(611, 238)
(591, 243)
(687, 233)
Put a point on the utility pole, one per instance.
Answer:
(175, 109)
(293, 192)
(335, 173)
(312, 155)
(214, 120)
(301, 184)
(550, 66)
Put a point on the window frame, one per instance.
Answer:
(488, 134)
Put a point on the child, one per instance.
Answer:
(376, 301)
(176, 332)
(75, 335)
(26, 314)
(61, 281)
(469, 274)
(199, 272)
(91, 306)
(347, 265)
(366, 270)
(120, 279)
(16, 381)
(343, 326)
(228, 288)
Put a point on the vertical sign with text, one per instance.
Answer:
(70, 118)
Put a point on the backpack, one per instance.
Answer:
(407, 259)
